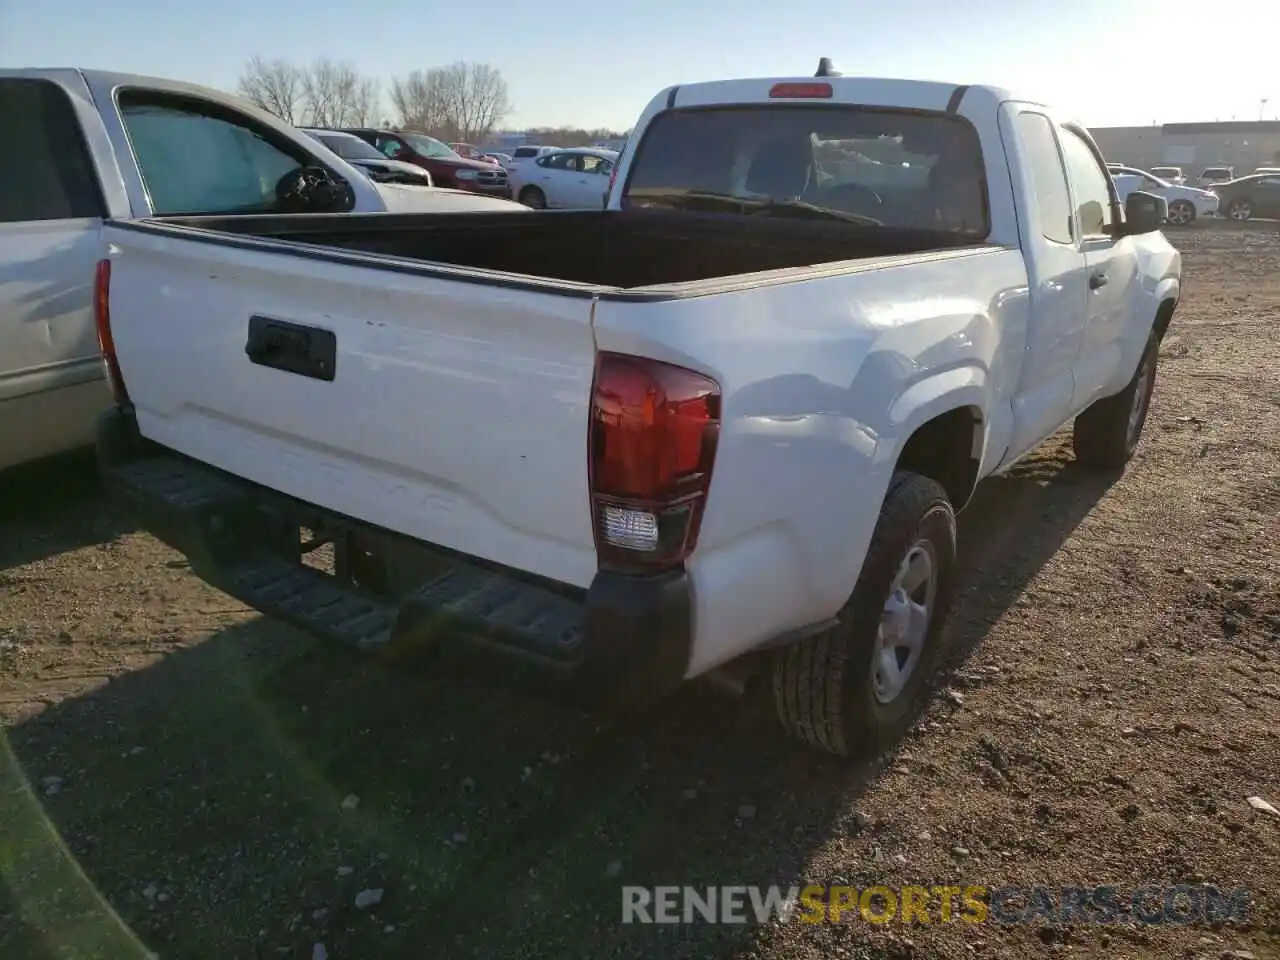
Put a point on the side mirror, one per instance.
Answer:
(1144, 213)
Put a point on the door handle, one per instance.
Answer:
(1097, 280)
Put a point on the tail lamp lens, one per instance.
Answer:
(102, 320)
(654, 429)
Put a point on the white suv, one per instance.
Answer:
(525, 154)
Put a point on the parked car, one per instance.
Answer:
(1211, 176)
(1185, 203)
(82, 146)
(446, 167)
(501, 159)
(525, 155)
(573, 179)
(367, 158)
(1173, 175)
(723, 425)
(1257, 195)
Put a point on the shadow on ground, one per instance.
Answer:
(203, 796)
(53, 506)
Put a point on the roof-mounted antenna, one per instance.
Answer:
(825, 68)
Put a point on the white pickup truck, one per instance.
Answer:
(726, 420)
(84, 145)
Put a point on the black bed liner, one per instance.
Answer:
(620, 249)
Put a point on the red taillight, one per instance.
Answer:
(801, 91)
(102, 319)
(654, 428)
(613, 178)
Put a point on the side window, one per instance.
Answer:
(194, 159)
(573, 162)
(592, 164)
(45, 169)
(556, 161)
(390, 146)
(1049, 179)
(1093, 198)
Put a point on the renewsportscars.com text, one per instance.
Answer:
(971, 903)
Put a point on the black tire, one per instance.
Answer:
(1104, 435)
(824, 686)
(1182, 213)
(1240, 210)
(533, 197)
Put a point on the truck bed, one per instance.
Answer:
(619, 249)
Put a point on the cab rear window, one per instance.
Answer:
(879, 167)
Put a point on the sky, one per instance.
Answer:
(597, 64)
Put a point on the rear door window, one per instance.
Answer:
(46, 172)
(556, 161)
(877, 166)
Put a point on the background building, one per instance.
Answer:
(1245, 145)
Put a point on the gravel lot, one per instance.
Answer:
(1114, 700)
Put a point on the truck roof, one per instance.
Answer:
(873, 91)
(112, 78)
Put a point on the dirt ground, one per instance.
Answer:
(175, 768)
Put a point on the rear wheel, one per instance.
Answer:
(856, 688)
(1240, 210)
(1181, 213)
(533, 197)
(1106, 434)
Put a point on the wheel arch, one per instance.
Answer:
(945, 442)
(1164, 315)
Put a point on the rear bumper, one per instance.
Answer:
(623, 641)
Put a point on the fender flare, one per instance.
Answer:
(936, 394)
(1168, 290)
(958, 388)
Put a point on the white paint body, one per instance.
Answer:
(51, 377)
(576, 178)
(460, 411)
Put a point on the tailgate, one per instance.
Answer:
(453, 412)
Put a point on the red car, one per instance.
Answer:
(447, 168)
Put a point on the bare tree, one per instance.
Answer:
(463, 101)
(274, 85)
(366, 103)
(418, 101)
(476, 98)
(325, 93)
(330, 90)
